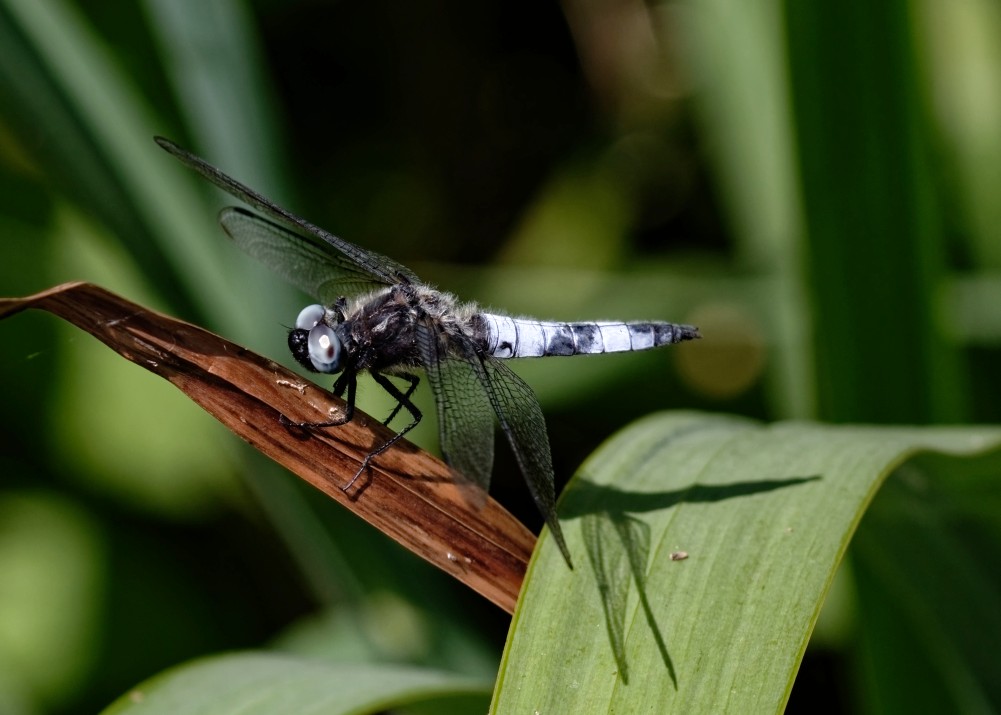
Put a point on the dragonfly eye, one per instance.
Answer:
(309, 317)
(324, 348)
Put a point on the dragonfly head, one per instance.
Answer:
(313, 343)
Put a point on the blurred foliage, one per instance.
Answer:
(812, 183)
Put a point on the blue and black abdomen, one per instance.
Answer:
(508, 337)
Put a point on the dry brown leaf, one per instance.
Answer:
(408, 494)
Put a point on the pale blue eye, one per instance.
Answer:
(324, 348)
(309, 317)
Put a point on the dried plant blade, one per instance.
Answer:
(408, 494)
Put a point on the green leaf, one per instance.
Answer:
(706, 547)
(249, 683)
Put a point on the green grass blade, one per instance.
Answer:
(877, 240)
(765, 515)
(102, 155)
(249, 683)
(214, 60)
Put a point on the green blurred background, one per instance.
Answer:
(812, 183)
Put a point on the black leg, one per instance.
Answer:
(347, 381)
(404, 402)
(341, 382)
(413, 381)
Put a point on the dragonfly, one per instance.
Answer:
(375, 315)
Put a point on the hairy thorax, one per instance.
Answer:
(382, 327)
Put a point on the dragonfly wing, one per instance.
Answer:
(521, 419)
(301, 259)
(465, 415)
(380, 269)
(472, 388)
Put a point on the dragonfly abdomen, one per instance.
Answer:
(508, 337)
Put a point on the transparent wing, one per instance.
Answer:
(470, 389)
(465, 415)
(300, 259)
(334, 253)
(522, 421)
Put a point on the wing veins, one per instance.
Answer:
(465, 416)
(381, 269)
(301, 260)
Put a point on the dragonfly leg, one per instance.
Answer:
(413, 380)
(404, 402)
